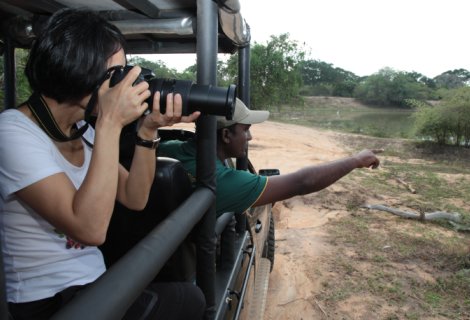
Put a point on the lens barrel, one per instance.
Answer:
(207, 99)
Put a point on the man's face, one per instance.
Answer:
(239, 137)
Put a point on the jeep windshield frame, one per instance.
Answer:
(203, 27)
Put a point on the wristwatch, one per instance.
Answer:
(151, 144)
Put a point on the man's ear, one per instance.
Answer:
(226, 134)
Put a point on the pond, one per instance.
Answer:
(378, 122)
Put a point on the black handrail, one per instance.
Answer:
(9, 72)
(3, 295)
(207, 43)
(112, 294)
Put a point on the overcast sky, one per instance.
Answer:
(364, 36)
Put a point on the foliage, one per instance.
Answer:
(275, 75)
(22, 86)
(159, 68)
(389, 87)
(432, 123)
(224, 76)
(321, 78)
(449, 121)
(453, 79)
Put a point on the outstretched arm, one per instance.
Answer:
(314, 178)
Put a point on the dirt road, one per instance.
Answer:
(300, 220)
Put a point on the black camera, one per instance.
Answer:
(205, 98)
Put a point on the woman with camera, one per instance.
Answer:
(58, 191)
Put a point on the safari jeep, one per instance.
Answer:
(177, 236)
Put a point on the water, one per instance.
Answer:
(378, 122)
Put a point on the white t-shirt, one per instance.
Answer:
(39, 260)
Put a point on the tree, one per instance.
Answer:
(275, 75)
(321, 78)
(432, 123)
(458, 109)
(447, 122)
(374, 89)
(159, 68)
(23, 90)
(390, 87)
(453, 79)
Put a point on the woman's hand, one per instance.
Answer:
(173, 114)
(124, 102)
(134, 187)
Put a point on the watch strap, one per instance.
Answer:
(151, 144)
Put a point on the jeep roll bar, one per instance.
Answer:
(159, 26)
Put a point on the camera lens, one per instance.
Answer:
(213, 100)
(207, 99)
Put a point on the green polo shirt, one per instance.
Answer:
(237, 190)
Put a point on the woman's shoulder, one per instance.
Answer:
(14, 118)
(15, 126)
(11, 114)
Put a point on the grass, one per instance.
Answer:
(417, 268)
(407, 269)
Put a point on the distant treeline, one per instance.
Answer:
(281, 74)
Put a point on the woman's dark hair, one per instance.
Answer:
(69, 57)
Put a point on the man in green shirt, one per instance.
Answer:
(239, 190)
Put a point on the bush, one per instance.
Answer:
(448, 122)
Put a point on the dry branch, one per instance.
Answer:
(319, 307)
(436, 215)
(460, 227)
(407, 185)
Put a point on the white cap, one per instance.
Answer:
(243, 115)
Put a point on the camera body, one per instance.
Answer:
(207, 99)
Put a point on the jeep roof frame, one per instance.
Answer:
(204, 27)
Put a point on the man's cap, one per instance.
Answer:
(243, 115)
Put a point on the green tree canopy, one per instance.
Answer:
(22, 86)
(449, 121)
(158, 67)
(453, 79)
(275, 74)
(321, 78)
(390, 87)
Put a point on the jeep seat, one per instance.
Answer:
(127, 227)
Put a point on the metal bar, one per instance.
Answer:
(3, 296)
(207, 44)
(172, 27)
(9, 63)
(244, 74)
(227, 279)
(244, 91)
(245, 283)
(112, 294)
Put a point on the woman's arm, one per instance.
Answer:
(84, 213)
(134, 186)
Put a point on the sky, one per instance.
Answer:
(364, 36)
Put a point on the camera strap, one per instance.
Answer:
(46, 121)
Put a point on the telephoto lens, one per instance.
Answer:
(207, 99)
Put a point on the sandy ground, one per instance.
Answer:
(300, 220)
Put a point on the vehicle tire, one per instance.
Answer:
(270, 243)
